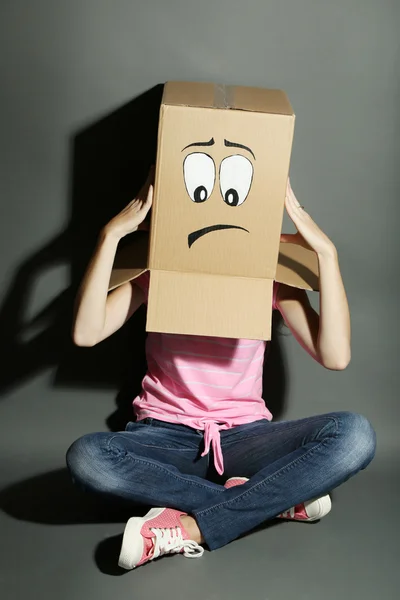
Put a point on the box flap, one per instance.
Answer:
(212, 305)
(210, 95)
(188, 93)
(131, 260)
(262, 100)
(297, 267)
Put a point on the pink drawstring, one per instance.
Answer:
(212, 436)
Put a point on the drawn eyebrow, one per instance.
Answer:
(209, 143)
(235, 145)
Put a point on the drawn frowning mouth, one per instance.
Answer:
(195, 235)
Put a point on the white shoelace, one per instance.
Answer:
(170, 540)
(289, 513)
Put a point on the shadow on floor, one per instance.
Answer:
(106, 556)
(108, 550)
(52, 499)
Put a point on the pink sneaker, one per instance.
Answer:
(312, 510)
(157, 533)
(235, 481)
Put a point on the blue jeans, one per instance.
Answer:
(159, 464)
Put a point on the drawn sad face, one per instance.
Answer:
(234, 174)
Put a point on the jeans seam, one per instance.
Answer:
(272, 477)
(336, 421)
(164, 469)
(194, 449)
(263, 434)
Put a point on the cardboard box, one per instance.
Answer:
(214, 248)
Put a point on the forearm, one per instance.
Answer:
(91, 300)
(326, 336)
(334, 335)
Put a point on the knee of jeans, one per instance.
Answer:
(85, 460)
(359, 440)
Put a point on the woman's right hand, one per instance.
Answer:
(134, 214)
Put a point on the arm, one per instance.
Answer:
(98, 313)
(326, 337)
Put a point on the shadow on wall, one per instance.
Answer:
(110, 160)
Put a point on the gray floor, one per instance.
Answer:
(56, 543)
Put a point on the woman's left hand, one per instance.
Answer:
(308, 235)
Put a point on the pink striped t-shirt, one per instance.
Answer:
(207, 383)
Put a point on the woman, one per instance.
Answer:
(201, 400)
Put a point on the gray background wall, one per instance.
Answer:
(67, 65)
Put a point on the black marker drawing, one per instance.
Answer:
(199, 174)
(195, 235)
(235, 145)
(209, 143)
(235, 179)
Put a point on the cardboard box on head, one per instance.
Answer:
(214, 249)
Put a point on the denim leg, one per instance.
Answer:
(288, 463)
(157, 465)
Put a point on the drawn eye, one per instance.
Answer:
(199, 175)
(235, 177)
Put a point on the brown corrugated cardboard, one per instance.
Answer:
(297, 267)
(195, 303)
(214, 249)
